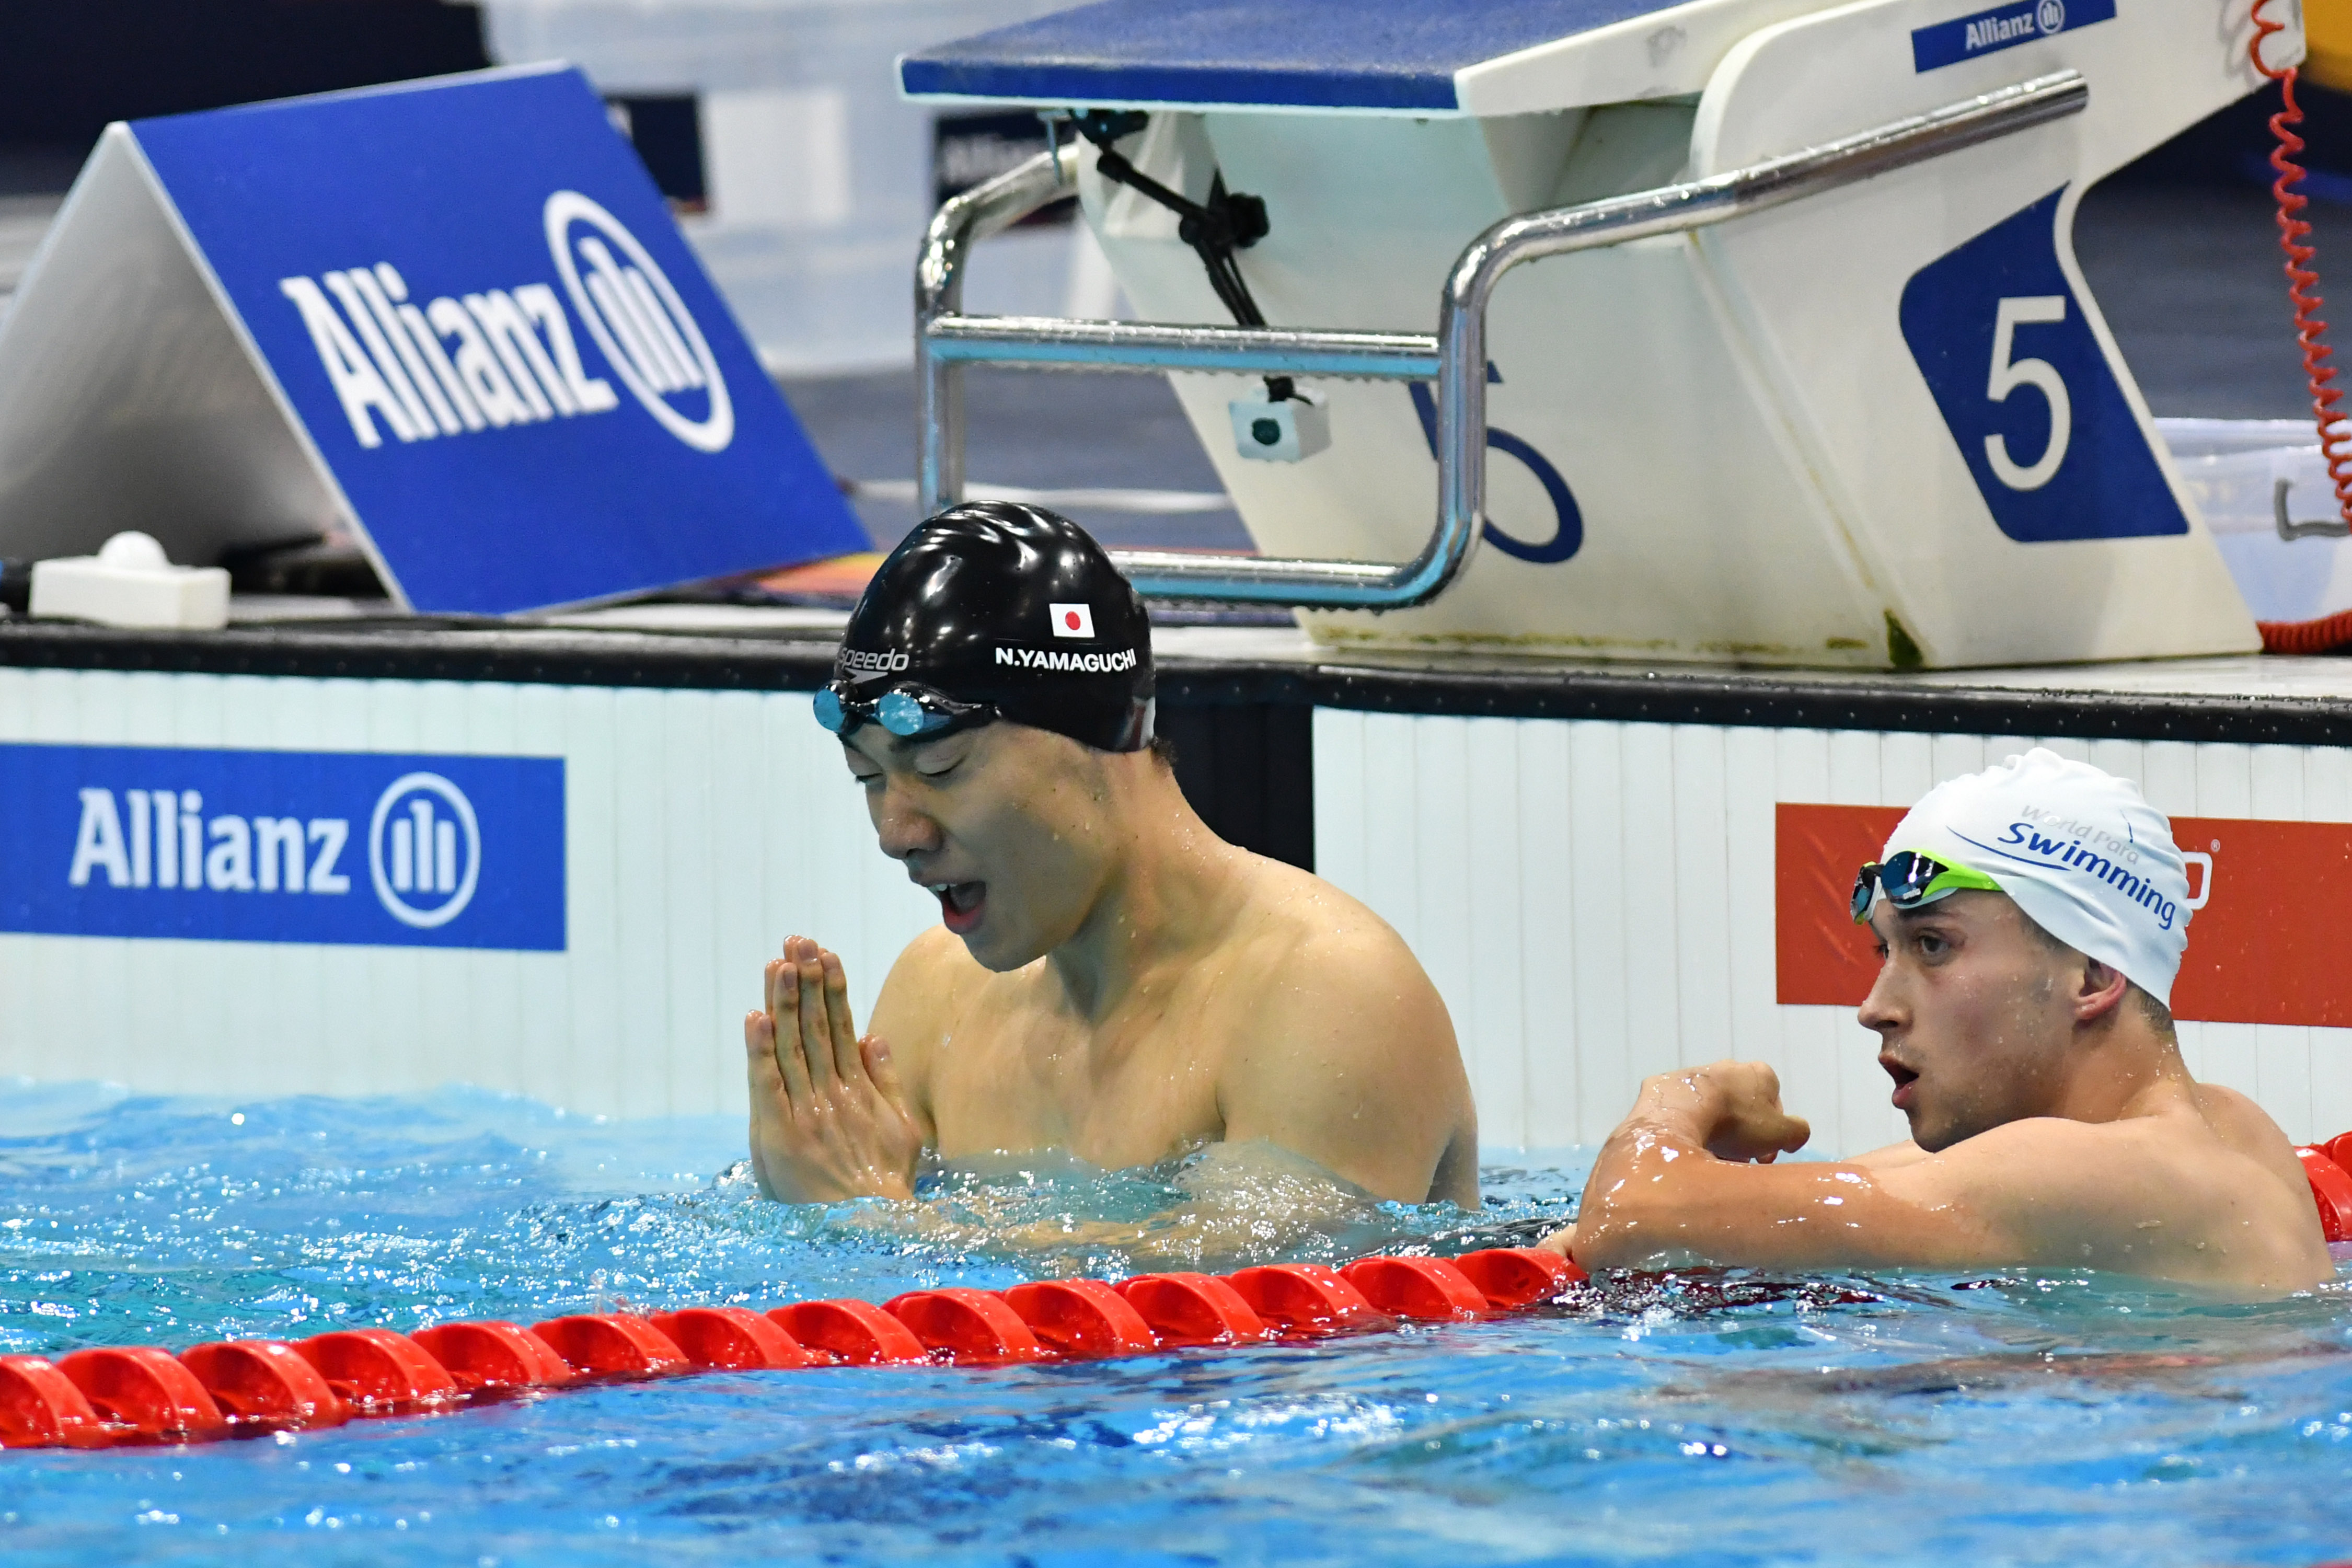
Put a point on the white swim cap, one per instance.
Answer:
(2082, 854)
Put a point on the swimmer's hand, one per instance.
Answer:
(828, 1118)
(1730, 1109)
(1562, 1241)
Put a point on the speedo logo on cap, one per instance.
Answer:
(1071, 663)
(1073, 620)
(858, 661)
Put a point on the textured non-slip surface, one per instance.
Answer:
(1325, 54)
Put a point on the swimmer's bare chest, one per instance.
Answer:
(1014, 1074)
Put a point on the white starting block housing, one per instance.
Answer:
(1883, 425)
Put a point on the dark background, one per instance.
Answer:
(69, 67)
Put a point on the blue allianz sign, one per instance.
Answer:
(513, 369)
(349, 848)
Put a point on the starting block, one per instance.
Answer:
(1822, 385)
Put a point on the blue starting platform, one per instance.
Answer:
(1380, 56)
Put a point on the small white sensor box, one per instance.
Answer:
(1279, 432)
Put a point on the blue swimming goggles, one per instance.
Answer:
(906, 710)
(1910, 879)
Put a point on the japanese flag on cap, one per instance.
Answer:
(1073, 620)
(2082, 854)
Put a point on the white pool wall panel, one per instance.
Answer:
(1594, 900)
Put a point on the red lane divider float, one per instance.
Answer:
(2331, 1187)
(617, 1345)
(1518, 1276)
(41, 1408)
(732, 1339)
(376, 1371)
(109, 1398)
(494, 1358)
(261, 1385)
(1186, 1310)
(850, 1333)
(145, 1395)
(1424, 1288)
(1082, 1319)
(1306, 1299)
(968, 1328)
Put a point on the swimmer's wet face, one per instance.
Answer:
(1975, 1012)
(1007, 826)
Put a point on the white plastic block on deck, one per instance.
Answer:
(129, 582)
(1881, 425)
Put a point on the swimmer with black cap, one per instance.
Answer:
(1109, 978)
(2030, 921)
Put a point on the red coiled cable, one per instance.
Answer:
(2303, 288)
(2303, 280)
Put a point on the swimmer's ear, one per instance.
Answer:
(2102, 990)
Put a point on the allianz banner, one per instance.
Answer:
(352, 848)
(454, 317)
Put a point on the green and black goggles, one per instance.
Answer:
(1910, 879)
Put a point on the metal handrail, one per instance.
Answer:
(946, 341)
(1130, 345)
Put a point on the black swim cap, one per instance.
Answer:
(1009, 611)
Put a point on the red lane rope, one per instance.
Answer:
(2331, 632)
(114, 1397)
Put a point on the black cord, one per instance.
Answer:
(1227, 222)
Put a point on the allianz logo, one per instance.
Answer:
(463, 364)
(2045, 16)
(423, 848)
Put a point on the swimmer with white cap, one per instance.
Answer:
(2030, 921)
(1109, 977)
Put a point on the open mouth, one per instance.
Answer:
(960, 903)
(1903, 1079)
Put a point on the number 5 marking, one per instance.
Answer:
(2008, 375)
(1567, 530)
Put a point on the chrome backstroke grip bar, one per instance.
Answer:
(946, 341)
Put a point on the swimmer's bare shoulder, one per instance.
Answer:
(934, 983)
(1339, 1045)
(2247, 1128)
(2169, 1196)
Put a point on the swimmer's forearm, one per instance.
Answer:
(1658, 1192)
(1628, 1212)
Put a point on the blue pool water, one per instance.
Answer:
(2017, 1419)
